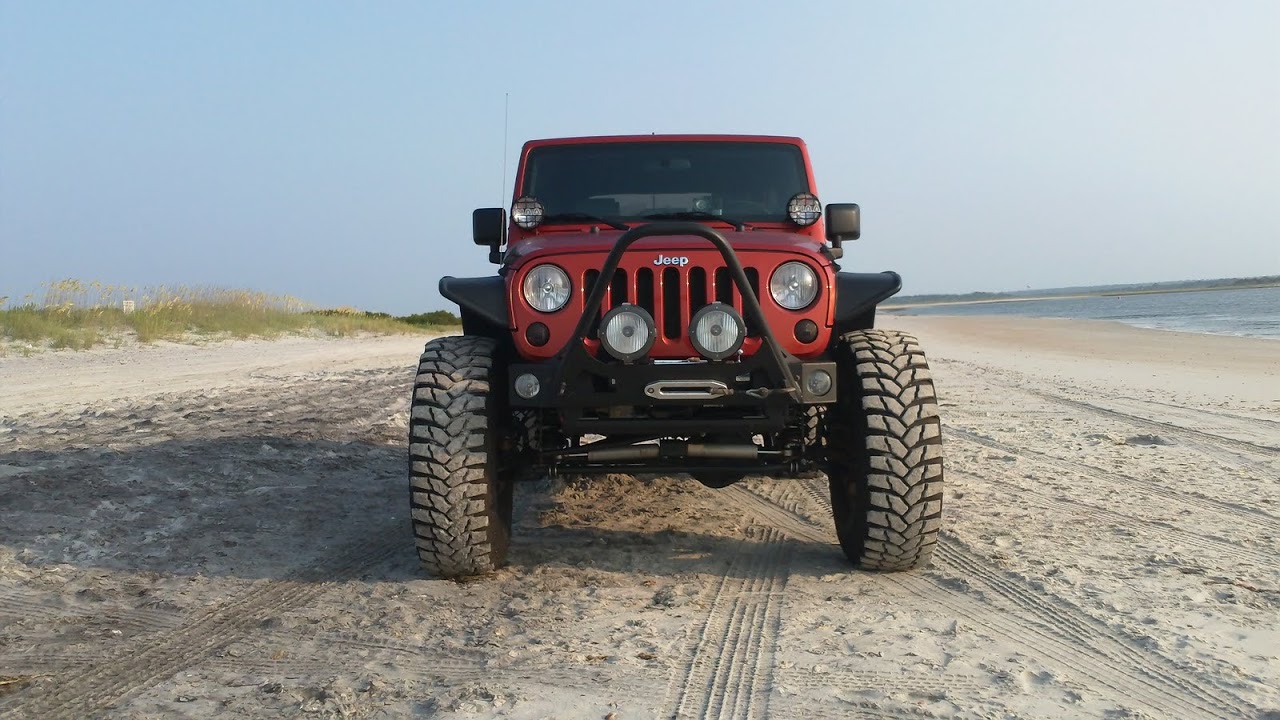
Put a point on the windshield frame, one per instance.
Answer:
(766, 199)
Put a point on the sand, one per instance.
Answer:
(222, 531)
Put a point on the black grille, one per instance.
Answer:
(677, 305)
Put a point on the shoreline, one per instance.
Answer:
(1072, 296)
(895, 314)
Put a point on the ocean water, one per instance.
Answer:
(1253, 312)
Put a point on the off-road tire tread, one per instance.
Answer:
(885, 443)
(460, 507)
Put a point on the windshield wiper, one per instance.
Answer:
(697, 215)
(584, 217)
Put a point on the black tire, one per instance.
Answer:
(884, 443)
(460, 497)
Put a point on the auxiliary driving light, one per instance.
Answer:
(627, 332)
(546, 288)
(793, 285)
(804, 209)
(717, 331)
(527, 386)
(527, 212)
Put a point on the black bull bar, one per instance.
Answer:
(761, 390)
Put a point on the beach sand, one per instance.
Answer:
(222, 531)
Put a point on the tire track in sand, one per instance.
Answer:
(15, 607)
(1260, 520)
(1248, 423)
(1226, 449)
(1113, 659)
(140, 664)
(729, 660)
(1189, 538)
(1056, 629)
(802, 528)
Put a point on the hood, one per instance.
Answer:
(600, 243)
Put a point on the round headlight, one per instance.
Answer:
(527, 212)
(717, 331)
(546, 288)
(804, 209)
(627, 332)
(794, 285)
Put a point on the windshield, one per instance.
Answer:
(744, 181)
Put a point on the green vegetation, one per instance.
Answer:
(432, 319)
(79, 316)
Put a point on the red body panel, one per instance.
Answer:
(579, 249)
(581, 253)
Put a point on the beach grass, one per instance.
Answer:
(78, 315)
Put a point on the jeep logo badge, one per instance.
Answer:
(669, 260)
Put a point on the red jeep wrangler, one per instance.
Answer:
(672, 304)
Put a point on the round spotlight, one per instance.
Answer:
(527, 212)
(717, 331)
(793, 285)
(818, 383)
(537, 334)
(546, 288)
(804, 209)
(527, 386)
(627, 332)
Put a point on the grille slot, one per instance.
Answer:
(671, 303)
(670, 295)
(724, 286)
(697, 290)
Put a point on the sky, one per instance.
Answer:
(334, 151)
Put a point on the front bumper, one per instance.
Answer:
(685, 398)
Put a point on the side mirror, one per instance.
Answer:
(489, 227)
(844, 222)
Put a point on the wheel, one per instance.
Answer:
(460, 497)
(884, 448)
(814, 419)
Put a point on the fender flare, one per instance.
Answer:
(857, 294)
(484, 299)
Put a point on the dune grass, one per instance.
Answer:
(77, 315)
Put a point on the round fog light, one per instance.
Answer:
(527, 386)
(819, 383)
(537, 334)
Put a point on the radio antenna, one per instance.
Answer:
(506, 104)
